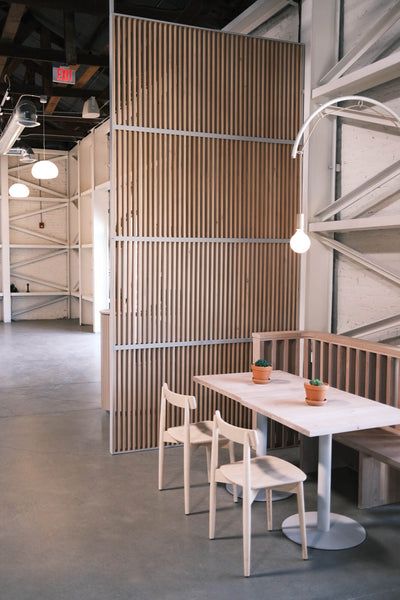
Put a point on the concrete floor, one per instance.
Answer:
(80, 524)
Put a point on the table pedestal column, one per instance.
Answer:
(325, 530)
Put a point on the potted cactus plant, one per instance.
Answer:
(262, 369)
(316, 392)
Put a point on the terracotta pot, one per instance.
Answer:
(316, 394)
(261, 374)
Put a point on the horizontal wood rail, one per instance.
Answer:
(365, 368)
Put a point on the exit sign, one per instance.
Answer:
(63, 75)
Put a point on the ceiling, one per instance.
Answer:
(39, 34)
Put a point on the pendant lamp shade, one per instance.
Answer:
(44, 169)
(90, 109)
(18, 190)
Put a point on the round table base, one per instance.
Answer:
(344, 532)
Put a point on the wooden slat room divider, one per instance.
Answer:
(204, 201)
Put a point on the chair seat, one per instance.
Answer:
(265, 472)
(200, 433)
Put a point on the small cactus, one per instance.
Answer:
(261, 362)
(316, 382)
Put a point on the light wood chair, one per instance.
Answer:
(253, 474)
(191, 435)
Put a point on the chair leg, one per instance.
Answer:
(268, 495)
(186, 476)
(208, 458)
(161, 465)
(302, 519)
(212, 509)
(246, 508)
(231, 448)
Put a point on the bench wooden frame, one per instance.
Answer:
(378, 464)
(357, 366)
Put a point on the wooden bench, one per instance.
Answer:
(378, 464)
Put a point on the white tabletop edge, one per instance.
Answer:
(343, 412)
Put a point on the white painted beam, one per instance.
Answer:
(39, 235)
(363, 79)
(56, 286)
(360, 259)
(362, 224)
(37, 306)
(363, 44)
(388, 327)
(365, 188)
(40, 258)
(365, 117)
(38, 212)
(254, 16)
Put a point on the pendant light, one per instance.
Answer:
(44, 169)
(300, 242)
(18, 190)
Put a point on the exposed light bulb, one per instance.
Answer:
(300, 242)
(18, 190)
(44, 169)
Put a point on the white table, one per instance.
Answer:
(283, 400)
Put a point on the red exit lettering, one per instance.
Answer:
(64, 75)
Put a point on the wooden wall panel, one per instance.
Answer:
(204, 201)
(187, 79)
(185, 291)
(181, 186)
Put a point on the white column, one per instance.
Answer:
(320, 34)
(5, 240)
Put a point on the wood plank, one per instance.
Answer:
(11, 26)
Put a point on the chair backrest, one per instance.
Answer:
(246, 437)
(179, 400)
(187, 403)
(240, 435)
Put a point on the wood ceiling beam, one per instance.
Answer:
(63, 92)
(93, 7)
(49, 55)
(13, 20)
(70, 38)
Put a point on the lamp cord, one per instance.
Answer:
(44, 137)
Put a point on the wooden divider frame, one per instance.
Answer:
(204, 197)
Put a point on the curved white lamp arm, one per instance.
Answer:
(334, 101)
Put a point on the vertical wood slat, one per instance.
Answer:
(174, 77)
(228, 75)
